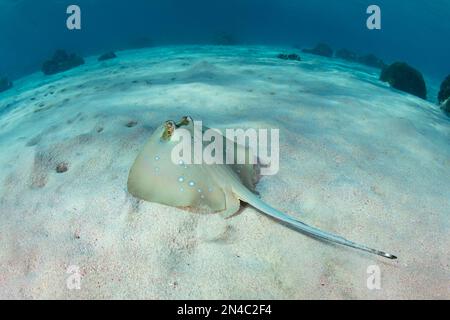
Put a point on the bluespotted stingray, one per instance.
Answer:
(220, 188)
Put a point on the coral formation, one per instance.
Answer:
(446, 106)
(403, 77)
(107, 56)
(290, 56)
(371, 61)
(321, 49)
(5, 84)
(346, 55)
(444, 92)
(61, 61)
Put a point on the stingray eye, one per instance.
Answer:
(186, 120)
(169, 129)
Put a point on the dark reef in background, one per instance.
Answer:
(60, 62)
(107, 56)
(290, 56)
(446, 107)
(321, 49)
(444, 95)
(5, 84)
(402, 76)
(372, 61)
(444, 92)
(346, 55)
(369, 59)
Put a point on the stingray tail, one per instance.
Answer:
(304, 228)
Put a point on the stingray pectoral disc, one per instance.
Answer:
(154, 177)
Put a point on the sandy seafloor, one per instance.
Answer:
(357, 158)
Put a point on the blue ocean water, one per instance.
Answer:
(412, 31)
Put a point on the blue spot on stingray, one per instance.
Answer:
(181, 163)
(191, 183)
